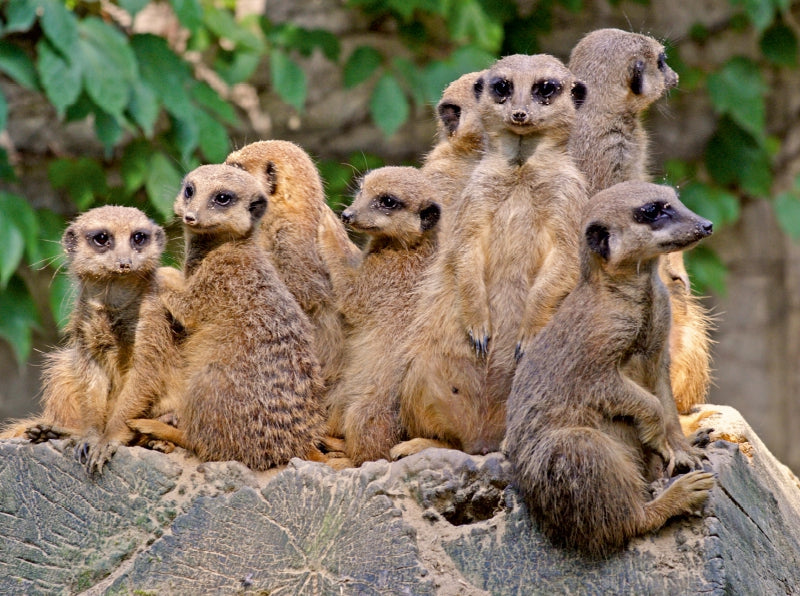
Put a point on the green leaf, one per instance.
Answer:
(20, 215)
(20, 15)
(779, 45)
(468, 22)
(62, 299)
(3, 111)
(214, 142)
(19, 318)
(16, 64)
(388, 105)
(61, 78)
(135, 165)
(760, 12)
(189, 13)
(236, 67)
(224, 26)
(6, 169)
(13, 248)
(83, 179)
(338, 178)
(440, 73)
(144, 107)
(204, 95)
(51, 227)
(164, 72)
(360, 65)
(706, 270)
(132, 7)
(288, 79)
(109, 65)
(787, 210)
(715, 204)
(108, 130)
(734, 157)
(59, 25)
(185, 133)
(738, 91)
(413, 77)
(305, 41)
(162, 184)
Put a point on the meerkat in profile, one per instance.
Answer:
(251, 387)
(460, 138)
(590, 410)
(395, 209)
(119, 342)
(290, 229)
(504, 267)
(625, 74)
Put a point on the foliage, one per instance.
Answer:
(157, 114)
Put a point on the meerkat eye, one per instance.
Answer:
(502, 88)
(652, 212)
(662, 61)
(389, 202)
(545, 91)
(139, 239)
(100, 239)
(188, 191)
(223, 199)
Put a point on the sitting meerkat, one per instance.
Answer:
(625, 73)
(395, 209)
(297, 212)
(504, 265)
(251, 388)
(591, 409)
(119, 346)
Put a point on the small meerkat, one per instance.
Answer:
(460, 138)
(119, 343)
(625, 74)
(591, 410)
(251, 387)
(395, 209)
(503, 267)
(297, 212)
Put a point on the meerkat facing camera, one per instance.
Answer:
(591, 409)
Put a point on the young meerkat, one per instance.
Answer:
(590, 413)
(503, 267)
(297, 212)
(395, 209)
(119, 342)
(251, 387)
(625, 74)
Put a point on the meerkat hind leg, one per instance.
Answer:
(683, 496)
(413, 446)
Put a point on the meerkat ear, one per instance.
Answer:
(637, 78)
(477, 88)
(429, 216)
(70, 239)
(450, 115)
(597, 237)
(258, 207)
(578, 93)
(271, 177)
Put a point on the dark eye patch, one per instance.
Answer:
(188, 190)
(139, 239)
(545, 91)
(100, 240)
(224, 199)
(501, 88)
(389, 202)
(662, 62)
(653, 213)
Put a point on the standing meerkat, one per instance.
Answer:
(625, 73)
(395, 209)
(297, 212)
(503, 267)
(591, 411)
(119, 345)
(251, 387)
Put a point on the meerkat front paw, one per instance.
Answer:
(99, 455)
(40, 433)
(479, 341)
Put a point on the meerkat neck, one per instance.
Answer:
(516, 149)
(117, 293)
(197, 247)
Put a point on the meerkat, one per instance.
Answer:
(119, 342)
(395, 209)
(251, 387)
(503, 268)
(591, 400)
(460, 138)
(625, 74)
(290, 229)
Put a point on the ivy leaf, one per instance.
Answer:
(204, 95)
(706, 270)
(738, 91)
(164, 72)
(715, 204)
(19, 318)
(61, 78)
(16, 64)
(132, 7)
(787, 210)
(185, 133)
(388, 105)
(236, 67)
(3, 111)
(734, 157)
(135, 165)
(360, 65)
(62, 299)
(468, 22)
(59, 25)
(20, 16)
(189, 13)
(288, 79)
(13, 248)
(214, 142)
(6, 170)
(107, 128)
(779, 45)
(144, 107)
(83, 179)
(223, 24)
(439, 74)
(51, 226)
(18, 214)
(290, 36)
(162, 184)
(760, 12)
(413, 77)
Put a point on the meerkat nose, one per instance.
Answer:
(705, 228)
(190, 218)
(347, 216)
(124, 264)
(519, 116)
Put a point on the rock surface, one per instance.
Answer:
(441, 522)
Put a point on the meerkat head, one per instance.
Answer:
(394, 202)
(286, 172)
(634, 222)
(530, 95)
(113, 241)
(457, 109)
(627, 67)
(220, 200)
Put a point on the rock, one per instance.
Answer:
(441, 522)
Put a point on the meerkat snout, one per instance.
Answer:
(347, 216)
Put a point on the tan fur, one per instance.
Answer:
(610, 145)
(591, 411)
(119, 342)
(251, 388)
(502, 271)
(395, 208)
(297, 212)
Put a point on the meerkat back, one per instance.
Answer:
(290, 230)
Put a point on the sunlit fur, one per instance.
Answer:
(591, 420)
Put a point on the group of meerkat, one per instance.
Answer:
(523, 289)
